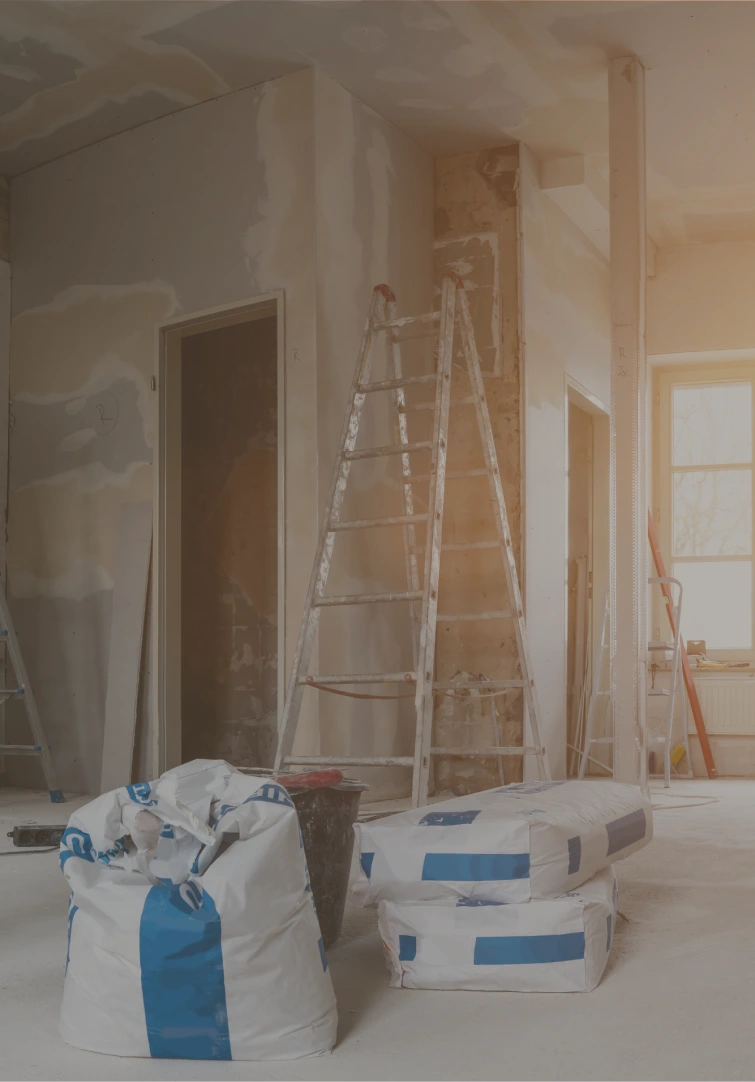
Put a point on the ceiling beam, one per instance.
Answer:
(581, 193)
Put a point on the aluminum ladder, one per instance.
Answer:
(422, 589)
(598, 693)
(24, 691)
(674, 647)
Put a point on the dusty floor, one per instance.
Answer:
(676, 1001)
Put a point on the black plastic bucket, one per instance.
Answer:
(326, 818)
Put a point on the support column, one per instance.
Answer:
(626, 97)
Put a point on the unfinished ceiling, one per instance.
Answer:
(456, 76)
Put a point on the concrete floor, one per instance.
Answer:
(676, 1001)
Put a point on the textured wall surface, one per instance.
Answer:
(208, 207)
(566, 332)
(292, 186)
(476, 236)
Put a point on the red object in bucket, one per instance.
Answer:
(311, 779)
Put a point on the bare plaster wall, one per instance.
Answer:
(700, 299)
(292, 186)
(476, 236)
(378, 228)
(565, 332)
(211, 206)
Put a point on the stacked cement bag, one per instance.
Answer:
(511, 889)
(192, 930)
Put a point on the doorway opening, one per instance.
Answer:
(587, 579)
(221, 523)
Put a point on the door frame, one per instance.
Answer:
(166, 551)
(598, 576)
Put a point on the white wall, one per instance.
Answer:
(565, 332)
(701, 298)
(211, 206)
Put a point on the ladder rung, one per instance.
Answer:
(467, 400)
(20, 749)
(462, 546)
(478, 685)
(660, 646)
(451, 475)
(602, 740)
(363, 678)
(659, 691)
(364, 523)
(603, 692)
(496, 614)
(391, 449)
(406, 321)
(365, 599)
(486, 752)
(341, 760)
(396, 384)
(11, 691)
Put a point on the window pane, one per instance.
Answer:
(717, 603)
(712, 425)
(713, 513)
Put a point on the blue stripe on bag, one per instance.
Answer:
(448, 819)
(475, 867)
(407, 948)
(72, 911)
(183, 984)
(366, 860)
(575, 854)
(522, 950)
(626, 831)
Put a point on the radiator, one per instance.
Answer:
(728, 704)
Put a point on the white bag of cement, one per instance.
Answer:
(558, 945)
(534, 840)
(192, 933)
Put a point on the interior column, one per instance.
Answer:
(626, 96)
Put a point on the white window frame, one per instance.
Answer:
(665, 380)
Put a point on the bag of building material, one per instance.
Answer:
(534, 840)
(192, 933)
(555, 945)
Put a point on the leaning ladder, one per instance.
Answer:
(422, 592)
(40, 747)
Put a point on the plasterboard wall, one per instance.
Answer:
(700, 299)
(565, 332)
(209, 207)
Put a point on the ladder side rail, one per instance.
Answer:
(324, 553)
(401, 429)
(434, 536)
(502, 529)
(674, 681)
(592, 708)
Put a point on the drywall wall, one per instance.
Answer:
(565, 333)
(376, 228)
(212, 206)
(700, 299)
(229, 543)
(476, 236)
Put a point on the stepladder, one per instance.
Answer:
(426, 465)
(666, 733)
(24, 691)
